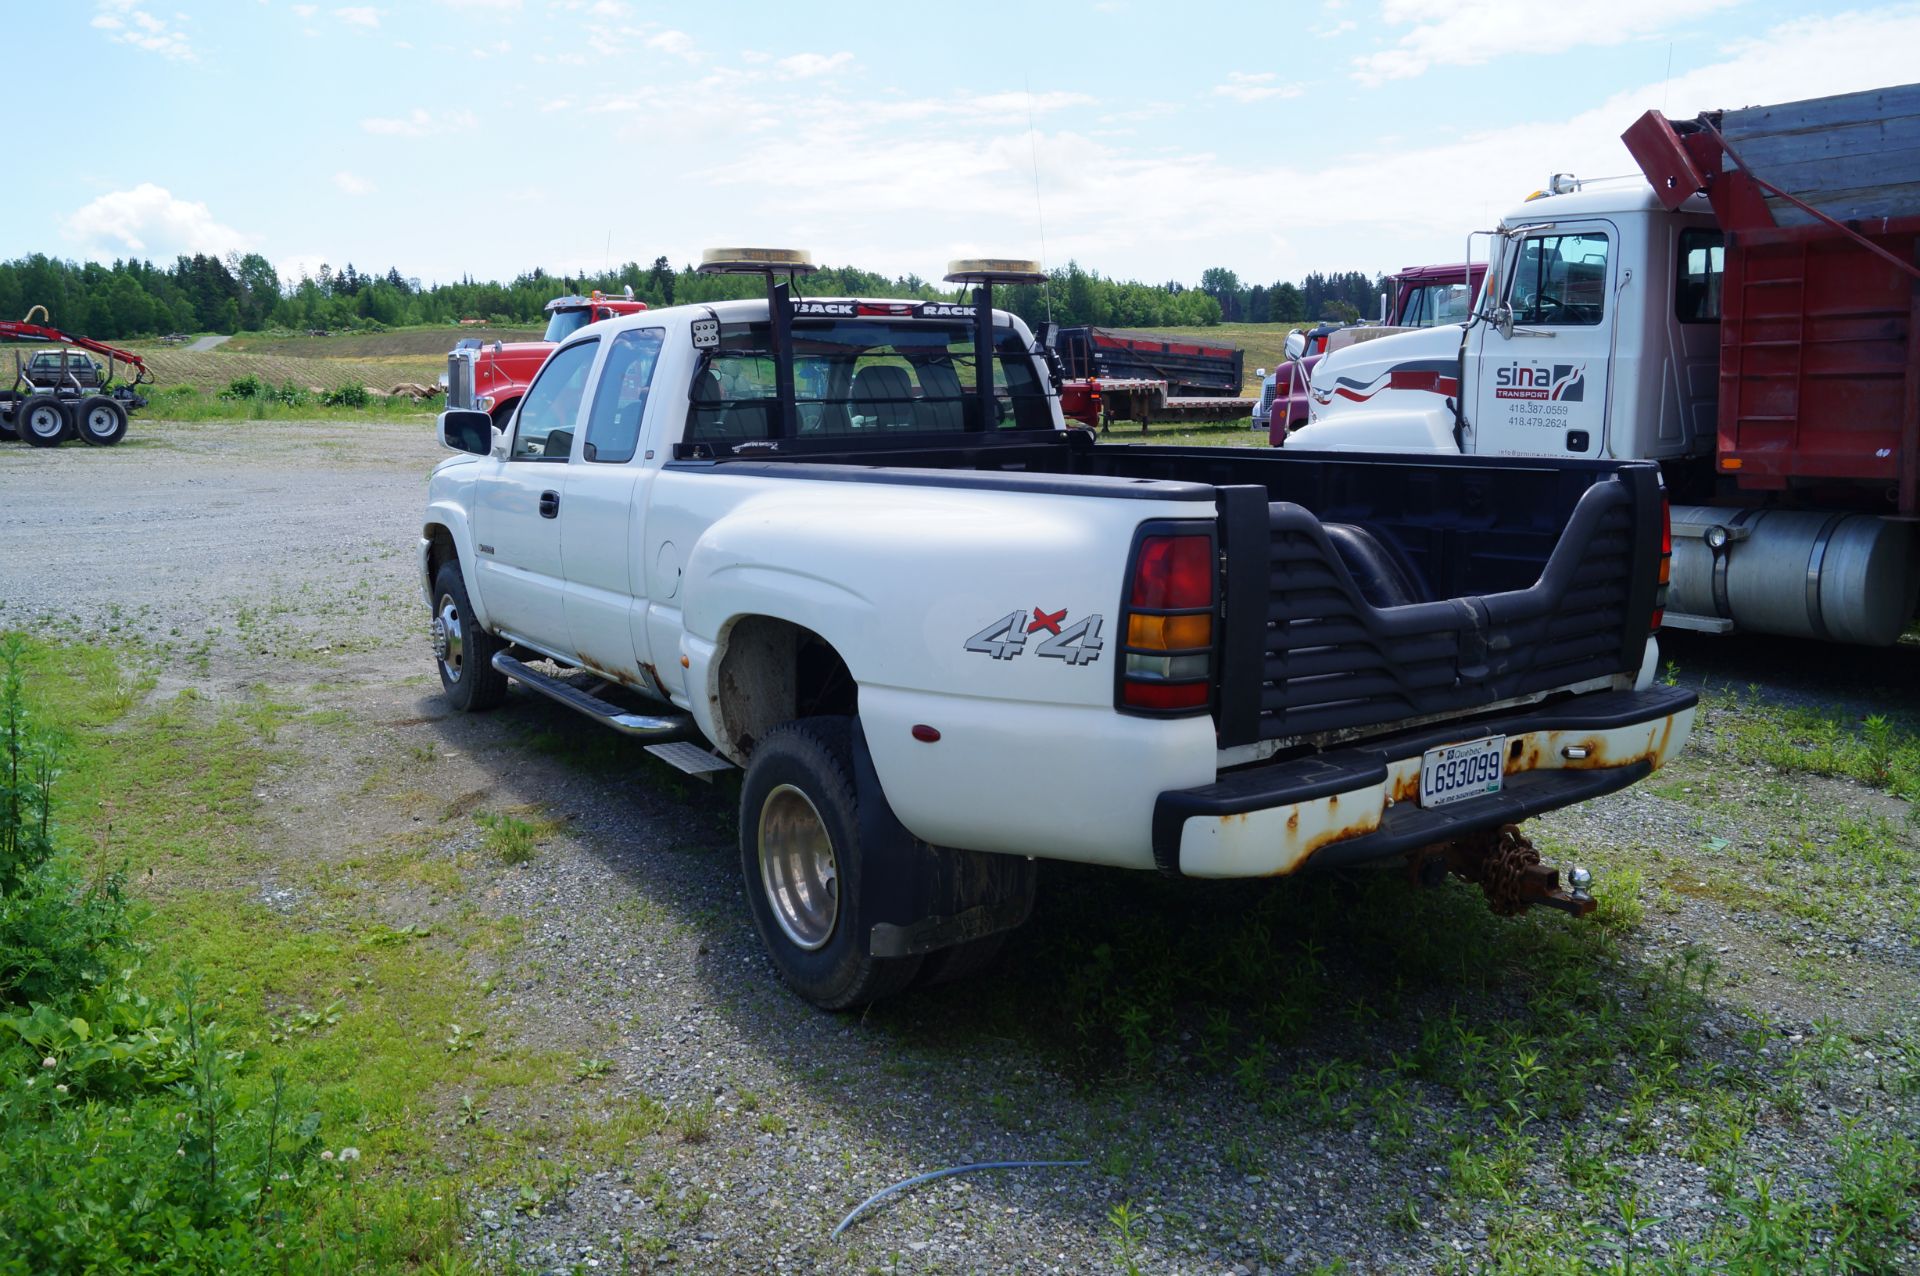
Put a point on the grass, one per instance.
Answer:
(211, 370)
(378, 1022)
(395, 343)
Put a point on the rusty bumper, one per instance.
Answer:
(1359, 804)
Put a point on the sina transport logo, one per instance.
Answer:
(1558, 383)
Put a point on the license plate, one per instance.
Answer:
(1456, 772)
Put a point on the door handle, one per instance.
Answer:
(549, 505)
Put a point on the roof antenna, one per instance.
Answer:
(1033, 148)
(1668, 84)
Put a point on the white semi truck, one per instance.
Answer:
(1748, 317)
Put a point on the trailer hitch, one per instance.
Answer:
(1505, 865)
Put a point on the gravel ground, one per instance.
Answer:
(243, 556)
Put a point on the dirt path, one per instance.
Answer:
(1264, 1079)
(208, 343)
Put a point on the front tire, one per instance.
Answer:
(801, 856)
(41, 421)
(103, 422)
(461, 648)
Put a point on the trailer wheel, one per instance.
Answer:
(800, 853)
(41, 421)
(461, 648)
(103, 422)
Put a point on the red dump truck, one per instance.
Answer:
(1749, 317)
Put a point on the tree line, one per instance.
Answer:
(243, 293)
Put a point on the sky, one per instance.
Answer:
(1145, 140)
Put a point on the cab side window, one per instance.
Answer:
(1703, 262)
(544, 431)
(1561, 281)
(619, 404)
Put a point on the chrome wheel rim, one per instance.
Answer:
(449, 639)
(798, 872)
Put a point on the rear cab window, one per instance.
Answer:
(862, 378)
(1696, 285)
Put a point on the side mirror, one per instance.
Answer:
(1503, 321)
(1261, 373)
(466, 430)
(1048, 335)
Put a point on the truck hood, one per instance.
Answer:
(1425, 361)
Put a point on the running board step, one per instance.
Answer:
(663, 727)
(690, 758)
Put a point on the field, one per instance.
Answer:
(397, 343)
(1265, 343)
(377, 359)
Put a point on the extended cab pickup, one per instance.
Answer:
(946, 637)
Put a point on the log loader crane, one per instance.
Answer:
(60, 392)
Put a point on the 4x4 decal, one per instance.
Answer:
(1078, 643)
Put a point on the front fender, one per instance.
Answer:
(452, 517)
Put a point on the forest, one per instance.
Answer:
(244, 294)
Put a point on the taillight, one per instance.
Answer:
(1666, 561)
(1167, 661)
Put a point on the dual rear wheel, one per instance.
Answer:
(45, 421)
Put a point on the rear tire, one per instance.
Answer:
(801, 856)
(41, 421)
(103, 422)
(462, 650)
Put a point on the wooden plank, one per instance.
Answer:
(1845, 142)
(1815, 180)
(1863, 205)
(1813, 114)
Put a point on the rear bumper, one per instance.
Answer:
(1360, 804)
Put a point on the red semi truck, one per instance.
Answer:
(1748, 317)
(1424, 297)
(491, 377)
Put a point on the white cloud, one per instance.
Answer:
(805, 65)
(149, 221)
(1127, 209)
(297, 266)
(1470, 32)
(1244, 87)
(353, 183)
(359, 15)
(677, 43)
(1338, 28)
(420, 122)
(492, 6)
(124, 22)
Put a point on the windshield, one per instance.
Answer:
(564, 324)
(862, 377)
(1431, 304)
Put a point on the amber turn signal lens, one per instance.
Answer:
(1169, 633)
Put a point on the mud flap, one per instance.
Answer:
(916, 897)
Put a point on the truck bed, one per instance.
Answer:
(1359, 591)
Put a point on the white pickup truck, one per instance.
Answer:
(945, 636)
